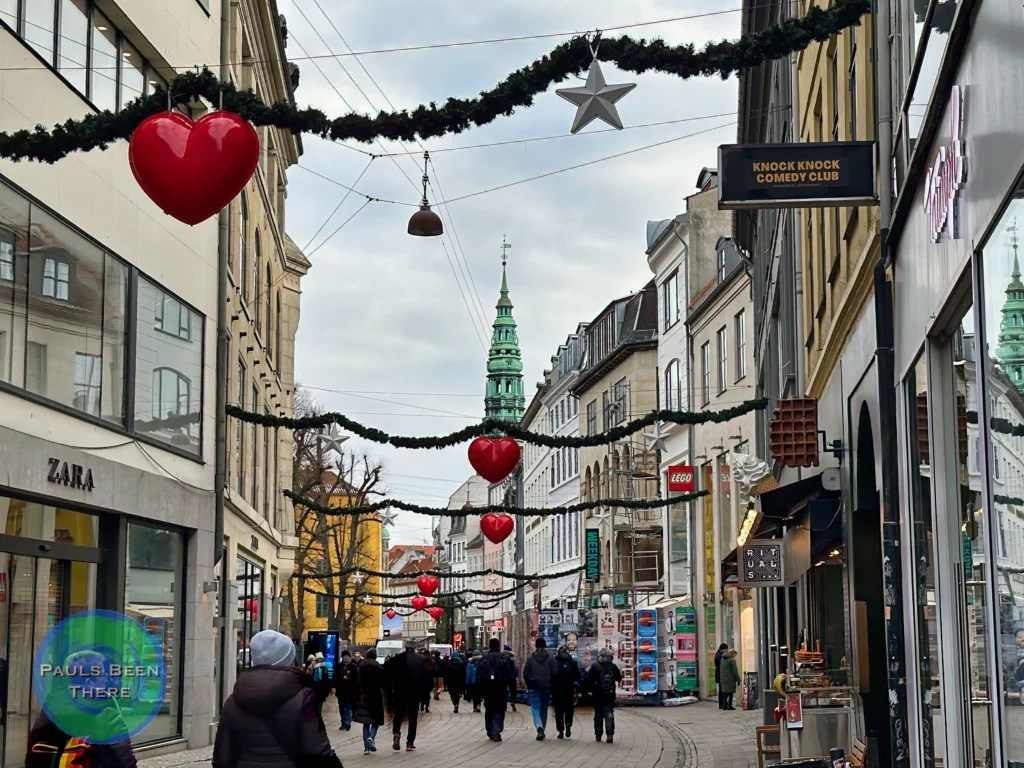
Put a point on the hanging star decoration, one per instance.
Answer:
(387, 517)
(655, 439)
(358, 577)
(367, 599)
(332, 439)
(595, 100)
(602, 515)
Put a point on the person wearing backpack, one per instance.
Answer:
(494, 676)
(272, 718)
(321, 681)
(603, 678)
(563, 691)
(538, 673)
(472, 689)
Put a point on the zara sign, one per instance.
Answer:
(946, 177)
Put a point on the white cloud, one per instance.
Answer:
(381, 312)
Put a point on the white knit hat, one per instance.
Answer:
(270, 648)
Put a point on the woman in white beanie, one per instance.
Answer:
(271, 720)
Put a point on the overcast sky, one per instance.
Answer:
(385, 334)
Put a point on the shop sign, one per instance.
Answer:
(760, 564)
(681, 478)
(796, 175)
(71, 475)
(593, 554)
(794, 712)
(946, 177)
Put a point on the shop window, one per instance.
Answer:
(103, 72)
(154, 592)
(40, 19)
(168, 381)
(1003, 293)
(924, 576)
(133, 74)
(250, 603)
(88, 375)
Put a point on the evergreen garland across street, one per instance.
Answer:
(97, 131)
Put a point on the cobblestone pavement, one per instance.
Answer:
(650, 737)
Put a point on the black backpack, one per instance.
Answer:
(607, 680)
(495, 671)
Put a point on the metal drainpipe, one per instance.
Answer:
(892, 572)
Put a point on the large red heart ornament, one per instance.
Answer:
(418, 602)
(493, 459)
(390, 614)
(428, 585)
(436, 612)
(496, 527)
(193, 169)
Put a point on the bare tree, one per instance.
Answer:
(331, 543)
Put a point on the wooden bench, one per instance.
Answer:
(859, 758)
(765, 749)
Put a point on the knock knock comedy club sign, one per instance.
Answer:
(802, 175)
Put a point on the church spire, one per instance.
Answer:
(505, 398)
(1010, 349)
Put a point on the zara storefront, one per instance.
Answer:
(958, 244)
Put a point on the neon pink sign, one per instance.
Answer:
(947, 177)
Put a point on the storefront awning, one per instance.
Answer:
(563, 588)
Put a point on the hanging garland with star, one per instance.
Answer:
(99, 130)
(509, 509)
(520, 577)
(406, 611)
(490, 426)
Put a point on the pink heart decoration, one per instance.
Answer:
(496, 527)
(193, 169)
(436, 612)
(418, 603)
(428, 585)
(493, 459)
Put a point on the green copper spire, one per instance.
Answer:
(1010, 352)
(505, 398)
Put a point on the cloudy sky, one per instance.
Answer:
(394, 328)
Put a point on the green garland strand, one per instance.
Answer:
(490, 426)
(521, 577)
(508, 509)
(481, 602)
(97, 131)
(489, 594)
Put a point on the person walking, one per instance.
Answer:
(718, 673)
(369, 708)
(439, 668)
(321, 681)
(603, 678)
(563, 690)
(472, 688)
(408, 684)
(346, 688)
(495, 675)
(455, 679)
(538, 672)
(730, 678)
(272, 718)
(431, 668)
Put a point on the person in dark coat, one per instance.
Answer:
(47, 739)
(729, 678)
(538, 673)
(603, 678)
(409, 682)
(472, 684)
(431, 674)
(369, 709)
(346, 688)
(718, 673)
(495, 675)
(455, 678)
(563, 690)
(272, 718)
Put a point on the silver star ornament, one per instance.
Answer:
(595, 100)
(358, 577)
(655, 439)
(332, 439)
(387, 517)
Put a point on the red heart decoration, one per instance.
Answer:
(390, 614)
(496, 527)
(428, 584)
(435, 612)
(193, 169)
(418, 602)
(494, 460)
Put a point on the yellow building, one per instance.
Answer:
(839, 246)
(328, 544)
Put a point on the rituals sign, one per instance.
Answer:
(801, 175)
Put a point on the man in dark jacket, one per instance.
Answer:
(346, 688)
(272, 718)
(495, 675)
(563, 690)
(538, 672)
(603, 678)
(409, 681)
(455, 678)
(718, 673)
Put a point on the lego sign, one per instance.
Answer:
(682, 478)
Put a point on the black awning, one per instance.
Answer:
(782, 502)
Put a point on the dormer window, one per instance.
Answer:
(56, 279)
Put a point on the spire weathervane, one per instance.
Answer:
(505, 245)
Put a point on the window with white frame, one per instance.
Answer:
(723, 358)
(721, 265)
(56, 279)
(670, 300)
(705, 372)
(6, 258)
(740, 331)
(673, 386)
